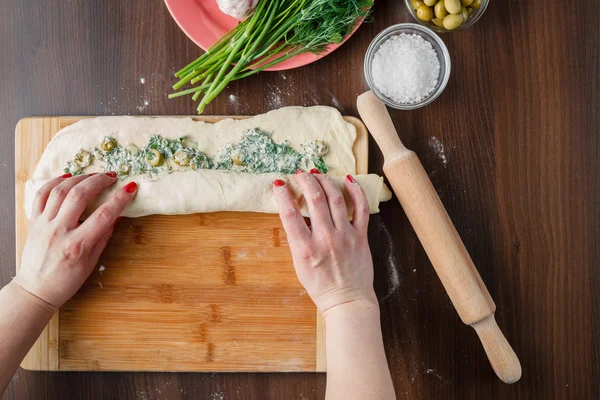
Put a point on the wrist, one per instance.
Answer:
(25, 297)
(367, 306)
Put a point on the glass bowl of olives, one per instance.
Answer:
(446, 15)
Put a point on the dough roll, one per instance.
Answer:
(181, 190)
(204, 191)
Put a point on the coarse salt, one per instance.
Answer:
(406, 68)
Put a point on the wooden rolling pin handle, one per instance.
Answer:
(502, 357)
(438, 236)
(377, 118)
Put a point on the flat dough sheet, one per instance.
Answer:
(297, 125)
(187, 192)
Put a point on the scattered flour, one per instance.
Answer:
(336, 103)
(440, 377)
(438, 149)
(293, 364)
(144, 105)
(218, 396)
(387, 258)
(142, 80)
(141, 395)
(274, 100)
(262, 253)
(100, 283)
(241, 255)
(101, 269)
(276, 95)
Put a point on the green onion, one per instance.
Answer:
(277, 31)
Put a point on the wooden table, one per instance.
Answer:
(512, 146)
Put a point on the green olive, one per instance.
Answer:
(424, 13)
(123, 168)
(181, 158)
(237, 161)
(74, 169)
(83, 159)
(108, 143)
(438, 22)
(464, 13)
(320, 148)
(440, 10)
(453, 21)
(154, 158)
(430, 3)
(476, 4)
(466, 3)
(453, 6)
(416, 4)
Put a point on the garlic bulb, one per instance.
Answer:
(237, 8)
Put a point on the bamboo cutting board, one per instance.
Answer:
(202, 292)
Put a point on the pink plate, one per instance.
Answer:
(204, 23)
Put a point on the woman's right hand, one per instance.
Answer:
(332, 258)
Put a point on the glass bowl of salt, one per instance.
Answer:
(407, 66)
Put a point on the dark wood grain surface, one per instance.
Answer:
(519, 175)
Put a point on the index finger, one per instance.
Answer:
(41, 197)
(94, 228)
(360, 218)
(77, 200)
(291, 218)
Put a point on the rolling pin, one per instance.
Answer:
(439, 238)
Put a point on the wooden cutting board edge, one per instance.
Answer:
(45, 353)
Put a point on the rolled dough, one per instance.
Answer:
(186, 192)
(211, 191)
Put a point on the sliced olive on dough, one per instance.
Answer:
(123, 168)
(108, 143)
(181, 158)
(237, 161)
(321, 149)
(83, 159)
(154, 157)
(74, 169)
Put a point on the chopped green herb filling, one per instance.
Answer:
(256, 152)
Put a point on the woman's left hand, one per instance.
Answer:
(60, 252)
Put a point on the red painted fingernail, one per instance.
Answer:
(350, 179)
(130, 187)
(118, 220)
(299, 171)
(66, 176)
(278, 182)
(112, 174)
(314, 171)
(93, 173)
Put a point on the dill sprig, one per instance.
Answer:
(277, 31)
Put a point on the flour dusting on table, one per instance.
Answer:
(438, 149)
(387, 258)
